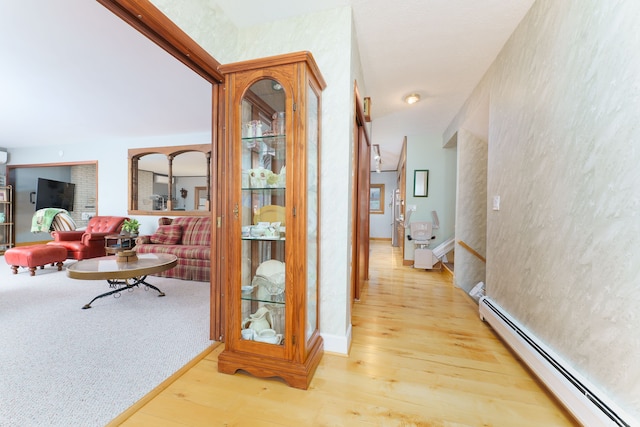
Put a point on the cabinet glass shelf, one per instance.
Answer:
(270, 190)
(265, 239)
(274, 299)
(271, 140)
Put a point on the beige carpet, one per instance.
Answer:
(64, 366)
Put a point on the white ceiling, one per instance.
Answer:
(71, 72)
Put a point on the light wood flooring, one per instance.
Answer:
(420, 356)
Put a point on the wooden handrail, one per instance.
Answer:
(473, 251)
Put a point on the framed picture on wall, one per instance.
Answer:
(376, 199)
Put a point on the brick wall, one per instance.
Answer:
(85, 179)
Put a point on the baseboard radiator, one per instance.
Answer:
(587, 403)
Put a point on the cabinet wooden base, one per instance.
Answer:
(297, 375)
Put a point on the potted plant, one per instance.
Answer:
(131, 226)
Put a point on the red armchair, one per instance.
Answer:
(88, 243)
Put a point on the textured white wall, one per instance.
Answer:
(205, 23)
(563, 252)
(471, 209)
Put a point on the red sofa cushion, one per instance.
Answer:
(167, 235)
(196, 230)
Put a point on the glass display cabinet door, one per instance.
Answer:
(263, 213)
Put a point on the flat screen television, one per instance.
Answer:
(55, 194)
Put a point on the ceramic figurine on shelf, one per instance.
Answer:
(263, 178)
(259, 320)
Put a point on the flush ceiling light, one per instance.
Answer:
(412, 98)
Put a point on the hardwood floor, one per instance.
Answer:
(420, 356)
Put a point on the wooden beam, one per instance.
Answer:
(150, 21)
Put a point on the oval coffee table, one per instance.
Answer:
(121, 275)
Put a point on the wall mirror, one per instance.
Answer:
(420, 183)
(170, 180)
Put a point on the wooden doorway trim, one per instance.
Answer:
(360, 200)
(152, 23)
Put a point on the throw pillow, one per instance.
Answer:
(167, 235)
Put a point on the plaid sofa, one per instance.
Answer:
(188, 238)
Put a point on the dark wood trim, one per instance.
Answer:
(151, 22)
(360, 117)
(277, 60)
(169, 150)
(402, 185)
(46, 165)
(360, 199)
(216, 295)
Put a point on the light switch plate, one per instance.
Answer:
(496, 203)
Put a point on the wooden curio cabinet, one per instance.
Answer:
(270, 224)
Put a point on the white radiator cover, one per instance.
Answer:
(588, 404)
(443, 248)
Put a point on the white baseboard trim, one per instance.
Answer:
(337, 344)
